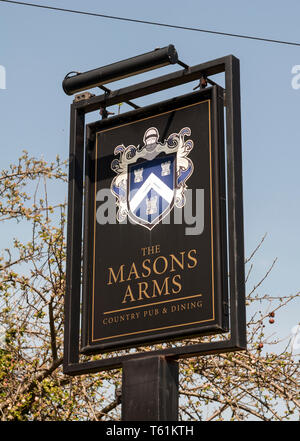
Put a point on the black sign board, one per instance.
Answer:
(158, 219)
(155, 233)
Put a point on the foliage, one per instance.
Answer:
(237, 386)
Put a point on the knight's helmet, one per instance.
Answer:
(150, 138)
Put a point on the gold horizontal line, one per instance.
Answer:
(150, 330)
(150, 304)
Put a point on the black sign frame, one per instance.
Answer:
(236, 306)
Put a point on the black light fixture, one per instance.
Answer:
(122, 69)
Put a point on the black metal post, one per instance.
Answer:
(150, 389)
(73, 271)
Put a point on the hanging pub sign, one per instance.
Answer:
(155, 265)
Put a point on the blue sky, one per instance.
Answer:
(38, 47)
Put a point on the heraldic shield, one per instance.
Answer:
(151, 188)
(151, 179)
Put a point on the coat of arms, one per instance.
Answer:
(151, 178)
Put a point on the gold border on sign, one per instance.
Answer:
(211, 223)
